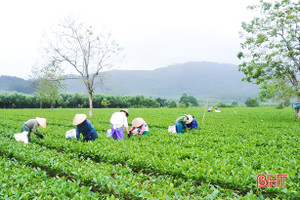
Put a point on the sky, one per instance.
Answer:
(152, 33)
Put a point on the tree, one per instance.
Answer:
(251, 102)
(48, 82)
(280, 91)
(105, 103)
(87, 52)
(222, 105)
(172, 104)
(272, 45)
(161, 101)
(188, 100)
(234, 103)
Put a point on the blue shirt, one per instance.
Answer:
(193, 124)
(87, 130)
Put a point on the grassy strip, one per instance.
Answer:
(227, 154)
(178, 169)
(19, 181)
(115, 180)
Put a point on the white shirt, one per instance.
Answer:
(119, 119)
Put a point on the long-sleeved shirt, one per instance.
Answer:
(32, 124)
(118, 119)
(182, 120)
(87, 130)
(144, 127)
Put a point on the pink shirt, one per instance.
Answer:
(142, 128)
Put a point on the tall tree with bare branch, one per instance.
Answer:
(88, 53)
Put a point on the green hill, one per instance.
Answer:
(204, 80)
(12, 83)
(200, 79)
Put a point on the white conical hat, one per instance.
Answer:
(79, 118)
(41, 121)
(137, 122)
(125, 110)
(190, 119)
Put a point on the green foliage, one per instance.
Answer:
(224, 105)
(105, 103)
(172, 104)
(182, 105)
(22, 181)
(188, 100)
(48, 83)
(219, 160)
(162, 102)
(251, 102)
(271, 48)
(279, 90)
(234, 103)
(18, 100)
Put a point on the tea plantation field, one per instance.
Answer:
(219, 160)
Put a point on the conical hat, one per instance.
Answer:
(79, 118)
(190, 119)
(125, 110)
(137, 122)
(41, 122)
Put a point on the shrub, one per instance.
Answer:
(251, 102)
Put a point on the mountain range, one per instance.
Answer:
(12, 83)
(203, 80)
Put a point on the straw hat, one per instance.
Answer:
(41, 122)
(137, 122)
(190, 119)
(125, 110)
(79, 118)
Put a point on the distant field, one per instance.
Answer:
(219, 160)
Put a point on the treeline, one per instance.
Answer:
(20, 100)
